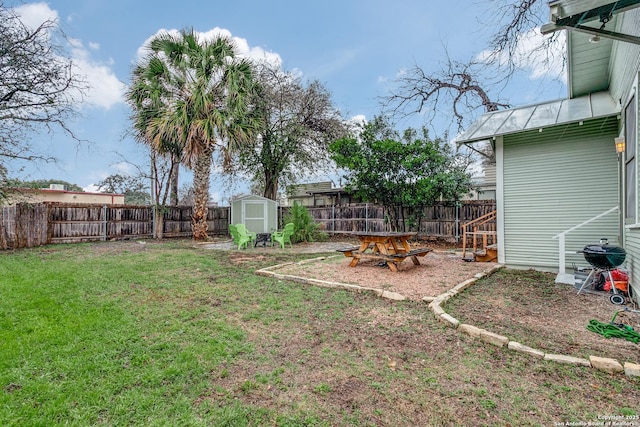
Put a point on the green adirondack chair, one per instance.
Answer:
(240, 239)
(242, 229)
(284, 236)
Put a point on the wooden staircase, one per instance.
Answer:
(483, 236)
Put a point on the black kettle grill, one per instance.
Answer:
(605, 257)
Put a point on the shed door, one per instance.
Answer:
(255, 215)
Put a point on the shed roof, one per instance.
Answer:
(251, 197)
(538, 116)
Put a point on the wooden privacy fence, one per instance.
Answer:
(23, 226)
(442, 219)
(26, 225)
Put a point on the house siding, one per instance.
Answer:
(632, 262)
(568, 181)
(624, 72)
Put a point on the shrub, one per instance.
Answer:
(304, 224)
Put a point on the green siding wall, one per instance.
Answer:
(632, 262)
(554, 180)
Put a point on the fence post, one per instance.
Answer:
(366, 217)
(333, 219)
(104, 223)
(457, 221)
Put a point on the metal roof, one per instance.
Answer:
(538, 116)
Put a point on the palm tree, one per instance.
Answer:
(204, 105)
(148, 97)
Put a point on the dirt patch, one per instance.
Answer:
(526, 306)
(437, 273)
(529, 307)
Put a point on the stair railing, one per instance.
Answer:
(475, 228)
(562, 264)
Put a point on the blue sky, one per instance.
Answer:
(356, 48)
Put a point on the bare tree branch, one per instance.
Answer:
(460, 89)
(39, 87)
(455, 86)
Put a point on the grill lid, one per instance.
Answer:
(604, 255)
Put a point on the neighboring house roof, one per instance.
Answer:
(64, 196)
(304, 190)
(540, 116)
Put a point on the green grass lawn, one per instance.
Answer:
(167, 334)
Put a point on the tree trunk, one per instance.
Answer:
(158, 222)
(270, 185)
(175, 169)
(201, 173)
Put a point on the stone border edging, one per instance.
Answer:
(600, 363)
(268, 271)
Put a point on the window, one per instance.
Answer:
(630, 124)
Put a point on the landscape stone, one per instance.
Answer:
(632, 369)
(464, 285)
(516, 346)
(393, 296)
(605, 364)
(447, 318)
(437, 310)
(470, 330)
(569, 360)
(492, 338)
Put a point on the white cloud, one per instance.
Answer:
(527, 56)
(105, 90)
(244, 50)
(357, 120)
(34, 14)
(125, 168)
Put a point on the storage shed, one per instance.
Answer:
(257, 213)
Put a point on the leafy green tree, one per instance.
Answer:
(135, 190)
(148, 96)
(41, 183)
(203, 105)
(400, 171)
(296, 122)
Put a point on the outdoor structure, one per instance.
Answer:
(483, 187)
(319, 194)
(566, 170)
(58, 194)
(258, 214)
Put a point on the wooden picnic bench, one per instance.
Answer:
(388, 247)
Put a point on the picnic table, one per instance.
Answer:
(388, 247)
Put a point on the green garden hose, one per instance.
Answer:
(614, 330)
